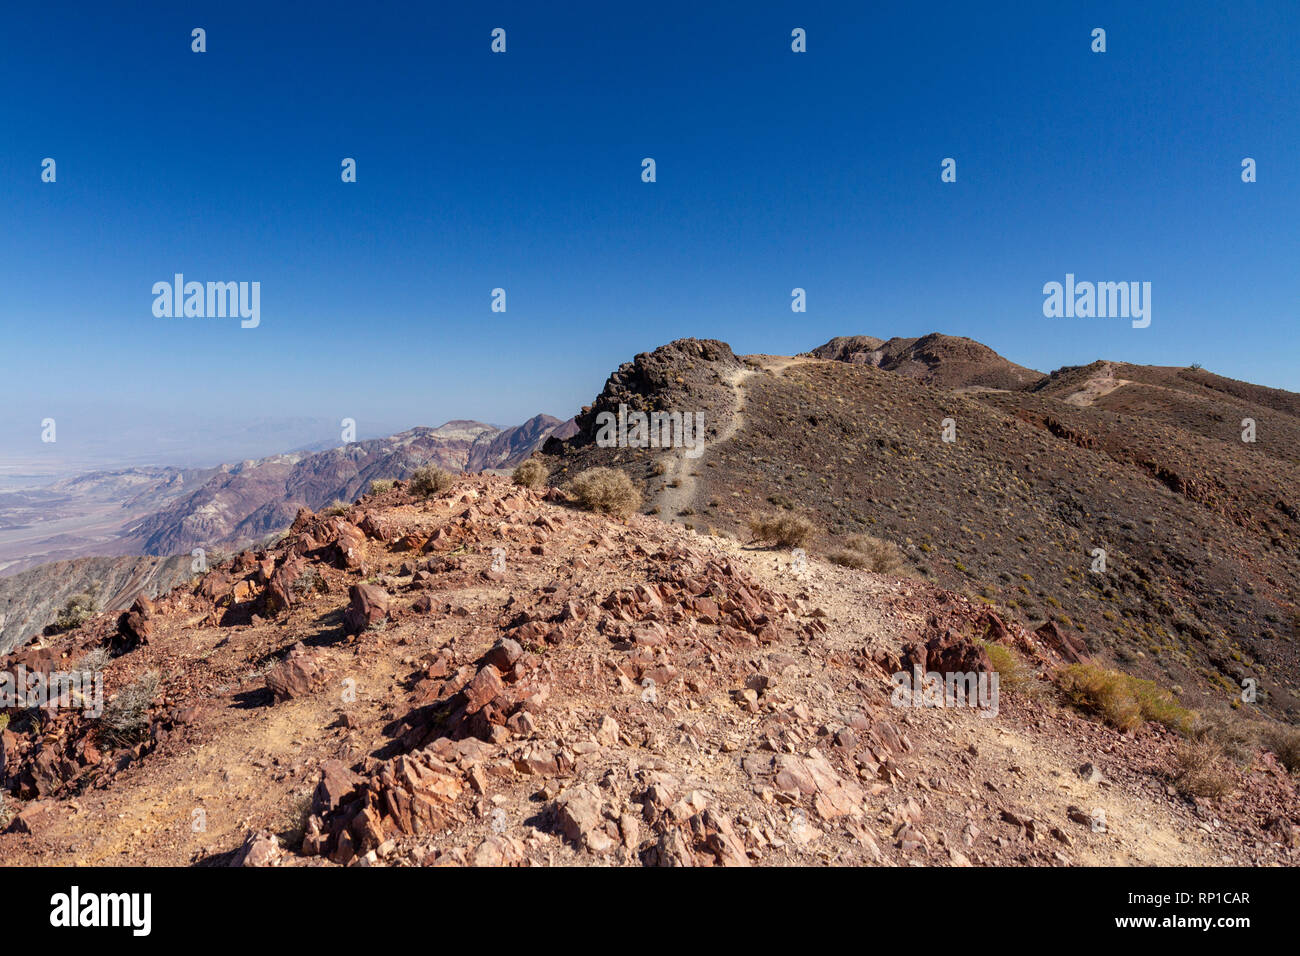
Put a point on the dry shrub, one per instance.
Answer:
(781, 530)
(1202, 770)
(381, 485)
(125, 720)
(606, 491)
(878, 555)
(1122, 700)
(530, 474)
(1235, 734)
(429, 480)
(1285, 744)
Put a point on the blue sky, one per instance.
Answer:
(522, 170)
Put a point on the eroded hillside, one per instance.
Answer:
(488, 676)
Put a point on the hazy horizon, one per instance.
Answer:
(522, 171)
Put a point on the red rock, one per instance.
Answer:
(504, 653)
(336, 782)
(259, 849)
(368, 606)
(297, 675)
(485, 686)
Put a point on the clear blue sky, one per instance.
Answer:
(475, 170)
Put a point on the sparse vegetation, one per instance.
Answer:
(873, 554)
(79, 609)
(336, 510)
(126, 717)
(606, 491)
(1285, 744)
(95, 659)
(381, 486)
(530, 474)
(1122, 700)
(429, 480)
(1202, 770)
(1013, 674)
(781, 530)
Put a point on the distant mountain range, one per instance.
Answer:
(167, 512)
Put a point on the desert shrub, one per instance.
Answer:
(293, 827)
(429, 480)
(1285, 744)
(381, 485)
(308, 582)
(781, 530)
(530, 474)
(848, 559)
(605, 490)
(1122, 700)
(1013, 674)
(883, 557)
(95, 659)
(1235, 734)
(337, 509)
(77, 611)
(1201, 770)
(125, 719)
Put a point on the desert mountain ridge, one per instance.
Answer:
(1141, 468)
(1144, 463)
(530, 683)
(142, 525)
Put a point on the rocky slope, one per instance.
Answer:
(1200, 530)
(490, 677)
(247, 501)
(32, 599)
(169, 512)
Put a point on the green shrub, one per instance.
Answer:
(77, 611)
(1013, 674)
(1122, 700)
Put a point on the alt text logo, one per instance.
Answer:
(75, 909)
(1102, 300)
(213, 300)
(655, 430)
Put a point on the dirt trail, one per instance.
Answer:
(1093, 388)
(681, 478)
